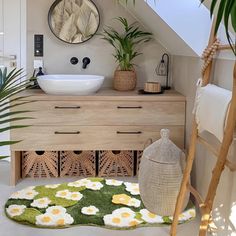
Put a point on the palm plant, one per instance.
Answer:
(227, 13)
(10, 85)
(125, 43)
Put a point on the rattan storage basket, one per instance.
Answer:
(116, 163)
(78, 163)
(39, 164)
(125, 80)
(160, 176)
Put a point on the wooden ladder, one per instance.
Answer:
(206, 204)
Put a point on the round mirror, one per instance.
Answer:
(73, 21)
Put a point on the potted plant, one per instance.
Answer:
(10, 85)
(125, 44)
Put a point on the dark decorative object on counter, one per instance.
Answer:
(163, 69)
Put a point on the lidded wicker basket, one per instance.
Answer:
(125, 80)
(160, 175)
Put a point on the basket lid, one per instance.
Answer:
(163, 150)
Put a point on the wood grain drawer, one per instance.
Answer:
(105, 113)
(90, 137)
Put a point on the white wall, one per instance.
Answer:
(58, 54)
(186, 71)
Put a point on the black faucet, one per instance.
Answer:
(86, 61)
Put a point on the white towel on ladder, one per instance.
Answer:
(212, 105)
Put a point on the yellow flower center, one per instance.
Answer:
(56, 211)
(15, 210)
(61, 222)
(133, 223)
(151, 215)
(90, 210)
(116, 220)
(74, 195)
(125, 215)
(63, 193)
(29, 193)
(41, 201)
(46, 219)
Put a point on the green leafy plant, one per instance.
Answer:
(10, 85)
(126, 42)
(227, 13)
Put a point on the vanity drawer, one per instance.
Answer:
(90, 137)
(105, 113)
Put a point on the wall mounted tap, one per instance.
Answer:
(86, 61)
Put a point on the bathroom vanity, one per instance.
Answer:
(108, 120)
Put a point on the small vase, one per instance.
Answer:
(125, 80)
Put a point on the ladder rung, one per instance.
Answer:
(213, 150)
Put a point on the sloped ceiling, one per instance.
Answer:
(181, 26)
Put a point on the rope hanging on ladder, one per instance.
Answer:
(208, 54)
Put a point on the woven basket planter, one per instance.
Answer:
(116, 163)
(39, 164)
(125, 80)
(78, 163)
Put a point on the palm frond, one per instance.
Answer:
(125, 42)
(11, 84)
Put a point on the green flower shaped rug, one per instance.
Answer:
(94, 201)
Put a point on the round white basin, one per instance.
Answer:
(70, 84)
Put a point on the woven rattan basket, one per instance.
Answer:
(116, 163)
(160, 176)
(125, 80)
(39, 164)
(78, 163)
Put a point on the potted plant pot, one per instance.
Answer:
(125, 80)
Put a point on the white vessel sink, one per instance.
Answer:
(70, 84)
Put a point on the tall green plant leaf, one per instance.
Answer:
(11, 84)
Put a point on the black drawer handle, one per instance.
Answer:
(76, 132)
(70, 107)
(121, 107)
(129, 132)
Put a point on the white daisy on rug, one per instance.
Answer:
(15, 210)
(94, 185)
(150, 217)
(74, 196)
(90, 210)
(52, 186)
(65, 219)
(45, 220)
(41, 202)
(133, 202)
(79, 183)
(132, 188)
(56, 210)
(124, 213)
(16, 195)
(27, 194)
(123, 217)
(185, 216)
(50, 219)
(63, 193)
(113, 182)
